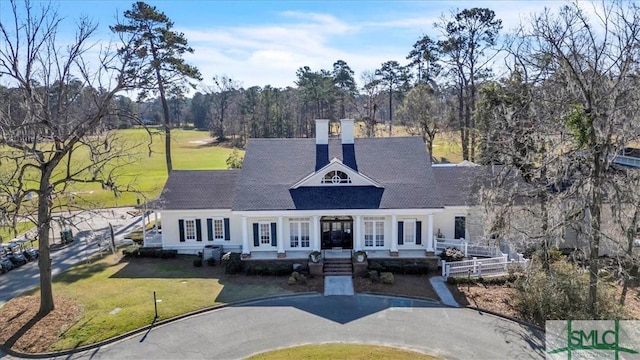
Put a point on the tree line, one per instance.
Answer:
(433, 90)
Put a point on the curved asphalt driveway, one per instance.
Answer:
(239, 331)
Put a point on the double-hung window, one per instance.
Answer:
(409, 231)
(265, 233)
(374, 231)
(218, 229)
(190, 229)
(299, 232)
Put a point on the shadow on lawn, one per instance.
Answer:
(81, 272)
(145, 268)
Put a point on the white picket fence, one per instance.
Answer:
(468, 250)
(482, 267)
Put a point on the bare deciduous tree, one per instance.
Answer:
(63, 102)
(584, 107)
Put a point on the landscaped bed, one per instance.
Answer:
(501, 298)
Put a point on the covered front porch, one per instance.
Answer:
(295, 234)
(371, 254)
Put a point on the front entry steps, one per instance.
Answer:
(338, 267)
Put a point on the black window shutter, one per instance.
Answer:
(256, 235)
(400, 232)
(274, 235)
(210, 229)
(181, 229)
(419, 232)
(198, 230)
(227, 232)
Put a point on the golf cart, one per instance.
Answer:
(29, 252)
(14, 253)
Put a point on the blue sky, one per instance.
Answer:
(265, 42)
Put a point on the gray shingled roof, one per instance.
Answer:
(461, 185)
(458, 185)
(271, 166)
(198, 189)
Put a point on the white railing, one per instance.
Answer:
(442, 244)
(483, 250)
(152, 239)
(481, 267)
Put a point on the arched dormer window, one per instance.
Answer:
(336, 177)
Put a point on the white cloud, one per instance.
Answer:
(268, 54)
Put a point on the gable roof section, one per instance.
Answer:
(198, 189)
(335, 164)
(271, 166)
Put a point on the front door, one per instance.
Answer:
(337, 232)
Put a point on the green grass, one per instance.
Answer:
(6, 232)
(342, 351)
(144, 168)
(447, 147)
(147, 172)
(104, 285)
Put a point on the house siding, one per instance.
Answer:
(171, 231)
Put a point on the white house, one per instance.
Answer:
(294, 196)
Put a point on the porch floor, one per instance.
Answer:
(372, 254)
(402, 254)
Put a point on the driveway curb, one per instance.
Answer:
(506, 317)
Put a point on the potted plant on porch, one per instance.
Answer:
(360, 256)
(315, 256)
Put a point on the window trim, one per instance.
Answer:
(296, 223)
(195, 229)
(412, 233)
(213, 230)
(375, 221)
(335, 178)
(266, 241)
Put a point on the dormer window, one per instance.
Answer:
(336, 177)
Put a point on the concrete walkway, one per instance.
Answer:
(239, 331)
(338, 285)
(440, 287)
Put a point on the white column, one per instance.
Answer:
(394, 234)
(245, 237)
(144, 231)
(316, 233)
(430, 244)
(280, 235)
(155, 217)
(357, 235)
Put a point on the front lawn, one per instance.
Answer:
(342, 351)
